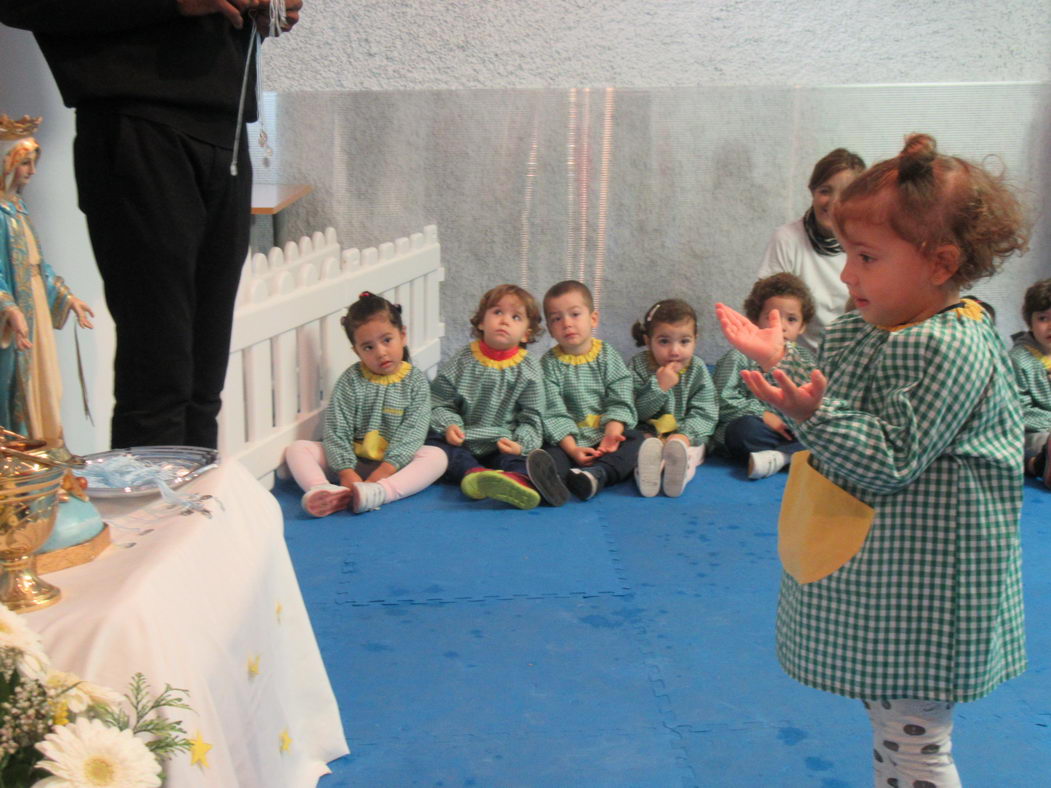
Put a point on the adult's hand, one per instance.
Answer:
(233, 10)
(262, 12)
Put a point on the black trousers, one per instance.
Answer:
(750, 433)
(169, 226)
(461, 460)
(612, 468)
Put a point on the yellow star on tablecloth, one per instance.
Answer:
(199, 750)
(286, 741)
(278, 610)
(253, 666)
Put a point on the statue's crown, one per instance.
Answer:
(17, 129)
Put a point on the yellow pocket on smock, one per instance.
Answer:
(664, 425)
(372, 447)
(821, 526)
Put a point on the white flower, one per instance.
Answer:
(78, 694)
(90, 754)
(32, 662)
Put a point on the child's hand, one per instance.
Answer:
(83, 312)
(668, 375)
(382, 471)
(508, 446)
(612, 437)
(765, 346)
(348, 477)
(454, 435)
(799, 402)
(583, 455)
(777, 424)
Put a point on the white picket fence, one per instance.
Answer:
(288, 347)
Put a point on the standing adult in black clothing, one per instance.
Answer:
(156, 85)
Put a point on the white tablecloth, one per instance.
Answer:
(212, 606)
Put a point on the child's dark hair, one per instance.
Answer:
(368, 307)
(933, 200)
(670, 310)
(492, 297)
(782, 284)
(570, 286)
(1037, 299)
(833, 163)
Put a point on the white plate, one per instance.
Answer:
(180, 464)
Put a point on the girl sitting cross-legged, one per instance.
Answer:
(674, 398)
(375, 422)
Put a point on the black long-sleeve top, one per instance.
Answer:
(142, 58)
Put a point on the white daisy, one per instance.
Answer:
(90, 754)
(78, 694)
(14, 633)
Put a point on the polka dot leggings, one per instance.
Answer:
(912, 745)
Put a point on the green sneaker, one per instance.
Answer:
(506, 486)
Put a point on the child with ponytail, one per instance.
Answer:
(674, 397)
(375, 423)
(899, 526)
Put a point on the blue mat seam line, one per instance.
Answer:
(487, 598)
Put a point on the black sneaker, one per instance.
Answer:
(584, 484)
(544, 475)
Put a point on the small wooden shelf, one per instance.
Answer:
(270, 198)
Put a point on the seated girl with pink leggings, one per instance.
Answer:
(375, 423)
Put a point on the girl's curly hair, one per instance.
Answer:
(932, 200)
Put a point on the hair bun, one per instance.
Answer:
(915, 162)
(396, 308)
(364, 294)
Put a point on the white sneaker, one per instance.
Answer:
(648, 467)
(765, 463)
(368, 496)
(676, 464)
(324, 499)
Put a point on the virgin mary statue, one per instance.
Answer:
(33, 300)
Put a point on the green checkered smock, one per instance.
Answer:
(376, 417)
(490, 399)
(1034, 383)
(585, 392)
(922, 423)
(691, 401)
(734, 398)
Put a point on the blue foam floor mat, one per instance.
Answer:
(621, 642)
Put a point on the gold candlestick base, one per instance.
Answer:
(22, 590)
(28, 505)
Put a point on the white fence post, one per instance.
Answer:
(289, 347)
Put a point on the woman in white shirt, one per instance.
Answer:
(808, 247)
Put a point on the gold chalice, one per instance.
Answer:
(29, 494)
